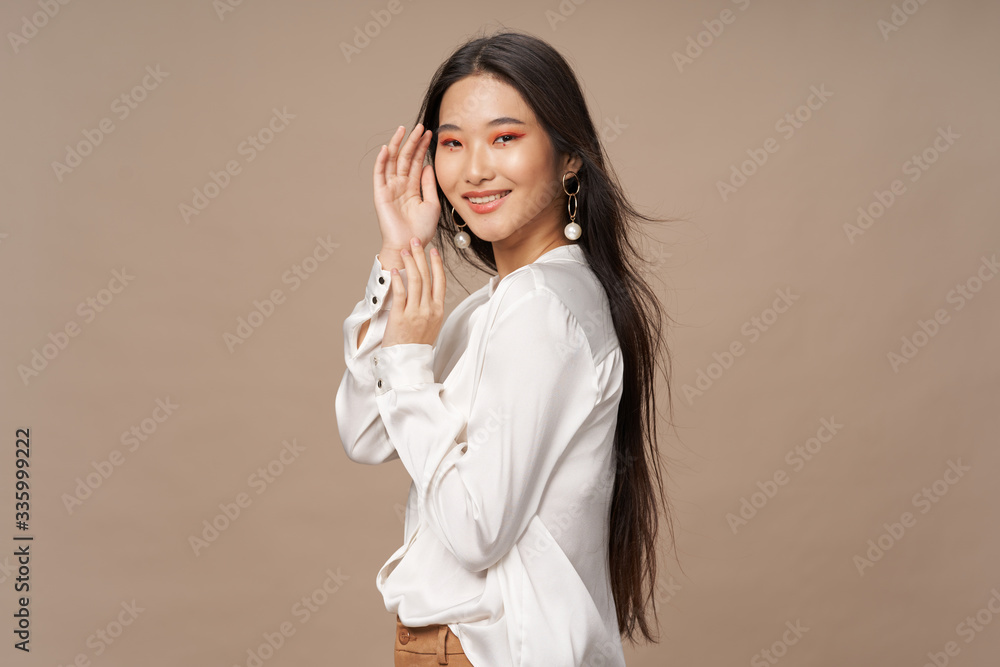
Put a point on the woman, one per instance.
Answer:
(526, 419)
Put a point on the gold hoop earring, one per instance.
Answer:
(462, 239)
(572, 230)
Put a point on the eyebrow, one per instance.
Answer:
(505, 120)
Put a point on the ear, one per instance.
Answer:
(572, 163)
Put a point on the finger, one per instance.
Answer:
(378, 175)
(413, 282)
(437, 269)
(417, 162)
(429, 185)
(398, 290)
(420, 259)
(406, 154)
(398, 298)
(397, 136)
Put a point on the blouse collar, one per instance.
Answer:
(571, 251)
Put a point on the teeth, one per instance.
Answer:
(486, 200)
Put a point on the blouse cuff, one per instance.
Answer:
(375, 307)
(403, 365)
(377, 287)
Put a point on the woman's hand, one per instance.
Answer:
(398, 177)
(417, 313)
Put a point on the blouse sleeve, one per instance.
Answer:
(362, 432)
(539, 385)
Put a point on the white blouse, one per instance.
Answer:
(506, 426)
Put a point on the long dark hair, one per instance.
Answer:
(548, 85)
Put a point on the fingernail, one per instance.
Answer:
(415, 241)
(404, 251)
(434, 251)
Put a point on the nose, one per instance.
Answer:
(480, 165)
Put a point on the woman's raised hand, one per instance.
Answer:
(417, 310)
(399, 175)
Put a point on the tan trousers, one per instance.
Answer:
(428, 646)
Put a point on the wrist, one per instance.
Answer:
(390, 258)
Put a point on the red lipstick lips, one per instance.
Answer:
(489, 206)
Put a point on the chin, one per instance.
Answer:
(489, 233)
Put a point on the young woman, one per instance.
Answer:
(526, 419)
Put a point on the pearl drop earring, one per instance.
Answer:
(462, 239)
(572, 230)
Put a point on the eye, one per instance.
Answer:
(450, 143)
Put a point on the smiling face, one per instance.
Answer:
(490, 143)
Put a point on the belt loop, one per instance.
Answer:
(441, 651)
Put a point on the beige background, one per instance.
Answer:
(673, 134)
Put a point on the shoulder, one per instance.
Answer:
(567, 287)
